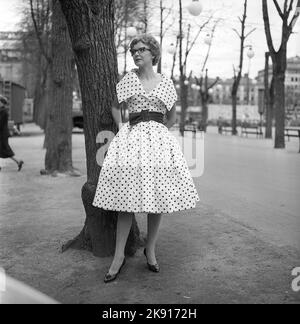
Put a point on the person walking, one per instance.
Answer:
(144, 170)
(5, 149)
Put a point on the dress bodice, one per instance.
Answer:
(138, 102)
(159, 99)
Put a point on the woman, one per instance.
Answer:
(144, 170)
(5, 150)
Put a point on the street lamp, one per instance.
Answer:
(250, 53)
(195, 8)
(208, 39)
(219, 91)
(131, 31)
(171, 49)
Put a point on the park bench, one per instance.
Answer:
(252, 129)
(292, 132)
(187, 128)
(225, 129)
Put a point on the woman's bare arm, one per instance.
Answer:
(171, 117)
(116, 113)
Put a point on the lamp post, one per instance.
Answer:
(250, 55)
(194, 8)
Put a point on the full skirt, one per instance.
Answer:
(145, 171)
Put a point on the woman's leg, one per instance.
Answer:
(19, 163)
(153, 227)
(123, 229)
(14, 159)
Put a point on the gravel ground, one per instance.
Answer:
(206, 254)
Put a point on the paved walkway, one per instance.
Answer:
(238, 246)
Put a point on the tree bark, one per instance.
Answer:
(279, 60)
(184, 103)
(237, 78)
(58, 137)
(234, 105)
(268, 107)
(279, 101)
(204, 104)
(91, 27)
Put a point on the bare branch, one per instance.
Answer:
(267, 27)
(38, 33)
(209, 47)
(187, 45)
(294, 19)
(167, 28)
(199, 31)
(285, 7)
(214, 83)
(254, 29)
(278, 8)
(290, 7)
(174, 59)
(236, 32)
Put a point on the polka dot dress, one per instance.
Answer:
(144, 170)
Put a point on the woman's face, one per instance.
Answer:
(141, 54)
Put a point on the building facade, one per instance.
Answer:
(292, 86)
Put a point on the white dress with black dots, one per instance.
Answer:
(144, 170)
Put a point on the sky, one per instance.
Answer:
(225, 46)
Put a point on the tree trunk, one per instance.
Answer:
(270, 110)
(234, 105)
(160, 34)
(91, 27)
(204, 104)
(184, 104)
(269, 115)
(279, 106)
(59, 124)
(40, 102)
(37, 91)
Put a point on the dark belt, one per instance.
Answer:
(145, 115)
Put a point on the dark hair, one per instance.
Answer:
(150, 41)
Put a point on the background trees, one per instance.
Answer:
(36, 27)
(59, 125)
(238, 71)
(279, 60)
(54, 85)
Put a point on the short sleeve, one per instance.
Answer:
(167, 93)
(127, 87)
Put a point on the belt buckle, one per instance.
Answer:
(145, 115)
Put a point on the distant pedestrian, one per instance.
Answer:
(220, 124)
(5, 150)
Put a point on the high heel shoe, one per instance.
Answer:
(111, 277)
(151, 267)
(20, 164)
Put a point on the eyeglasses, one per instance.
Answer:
(139, 50)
